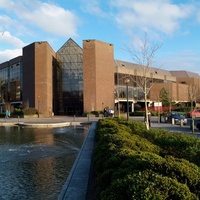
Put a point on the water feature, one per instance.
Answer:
(35, 163)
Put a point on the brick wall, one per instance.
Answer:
(98, 75)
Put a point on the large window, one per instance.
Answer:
(4, 85)
(15, 88)
(72, 77)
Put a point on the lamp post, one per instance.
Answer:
(118, 104)
(38, 106)
(127, 80)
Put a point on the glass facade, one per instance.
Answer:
(70, 55)
(4, 85)
(135, 92)
(67, 81)
(10, 84)
(15, 82)
(57, 88)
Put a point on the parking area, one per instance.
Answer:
(177, 127)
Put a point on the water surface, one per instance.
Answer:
(35, 163)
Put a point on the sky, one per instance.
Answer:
(173, 25)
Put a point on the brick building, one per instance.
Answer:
(75, 80)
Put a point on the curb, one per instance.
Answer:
(76, 185)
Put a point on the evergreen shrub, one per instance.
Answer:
(133, 163)
(30, 111)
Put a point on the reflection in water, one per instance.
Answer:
(35, 163)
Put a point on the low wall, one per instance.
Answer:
(76, 185)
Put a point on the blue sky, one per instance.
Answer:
(174, 24)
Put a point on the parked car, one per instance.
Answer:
(177, 118)
(198, 125)
(194, 113)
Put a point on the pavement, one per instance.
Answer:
(69, 120)
(177, 128)
(55, 121)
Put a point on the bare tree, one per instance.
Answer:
(193, 94)
(144, 57)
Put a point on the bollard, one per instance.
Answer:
(159, 119)
(74, 118)
(181, 123)
(18, 118)
(88, 117)
(172, 121)
(192, 125)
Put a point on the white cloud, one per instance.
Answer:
(158, 15)
(9, 54)
(48, 17)
(6, 4)
(27, 19)
(52, 19)
(12, 45)
(5, 22)
(7, 38)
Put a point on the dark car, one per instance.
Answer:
(198, 125)
(177, 118)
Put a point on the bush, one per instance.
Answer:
(30, 111)
(133, 163)
(142, 113)
(137, 113)
(146, 185)
(2, 115)
(18, 112)
(176, 144)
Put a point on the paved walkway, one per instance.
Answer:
(61, 120)
(47, 122)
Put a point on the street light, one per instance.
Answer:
(118, 104)
(127, 80)
(38, 106)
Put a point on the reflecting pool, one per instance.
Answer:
(35, 163)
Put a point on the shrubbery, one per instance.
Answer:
(21, 113)
(142, 113)
(133, 163)
(30, 111)
(17, 112)
(2, 115)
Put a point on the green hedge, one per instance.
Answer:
(30, 111)
(132, 163)
(2, 115)
(178, 145)
(142, 113)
